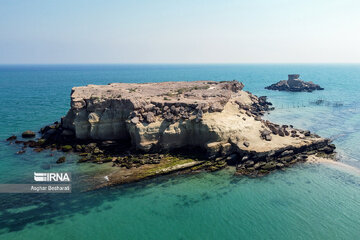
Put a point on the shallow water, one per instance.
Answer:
(305, 202)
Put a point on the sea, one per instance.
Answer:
(307, 201)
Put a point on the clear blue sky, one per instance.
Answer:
(186, 31)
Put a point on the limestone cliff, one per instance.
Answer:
(218, 117)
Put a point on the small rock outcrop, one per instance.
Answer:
(294, 84)
(61, 160)
(28, 134)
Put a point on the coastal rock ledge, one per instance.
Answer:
(217, 117)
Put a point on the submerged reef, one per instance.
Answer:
(151, 129)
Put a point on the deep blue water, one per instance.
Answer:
(305, 202)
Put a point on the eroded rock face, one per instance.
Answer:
(218, 117)
(107, 112)
(294, 84)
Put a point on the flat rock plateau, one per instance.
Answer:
(144, 130)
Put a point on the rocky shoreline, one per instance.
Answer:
(255, 164)
(145, 130)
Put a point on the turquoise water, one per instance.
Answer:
(305, 202)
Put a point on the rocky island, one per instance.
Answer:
(294, 84)
(148, 129)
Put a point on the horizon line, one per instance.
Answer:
(173, 63)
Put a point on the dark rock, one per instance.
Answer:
(49, 133)
(286, 153)
(259, 165)
(287, 158)
(11, 138)
(67, 132)
(61, 160)
(273, 129)
(246, 144)
(38, 149)
(28, 134)
(78, 148)
(97, 151)
(281, 133)
(268, 137)
(327, 150)
(41, 141)
(257, 118)
(263, 172)
(265, 134)
(293, 161)
(280, 165)
(249, 163)
(332, 146)
(30, 143)
(269, 166)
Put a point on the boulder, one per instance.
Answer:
(269, 166)
(28, 134)
(135, 120)
(61, 160)
(11, 138)
(150, 117)
(268, 137)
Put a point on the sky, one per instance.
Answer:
(186, 31)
